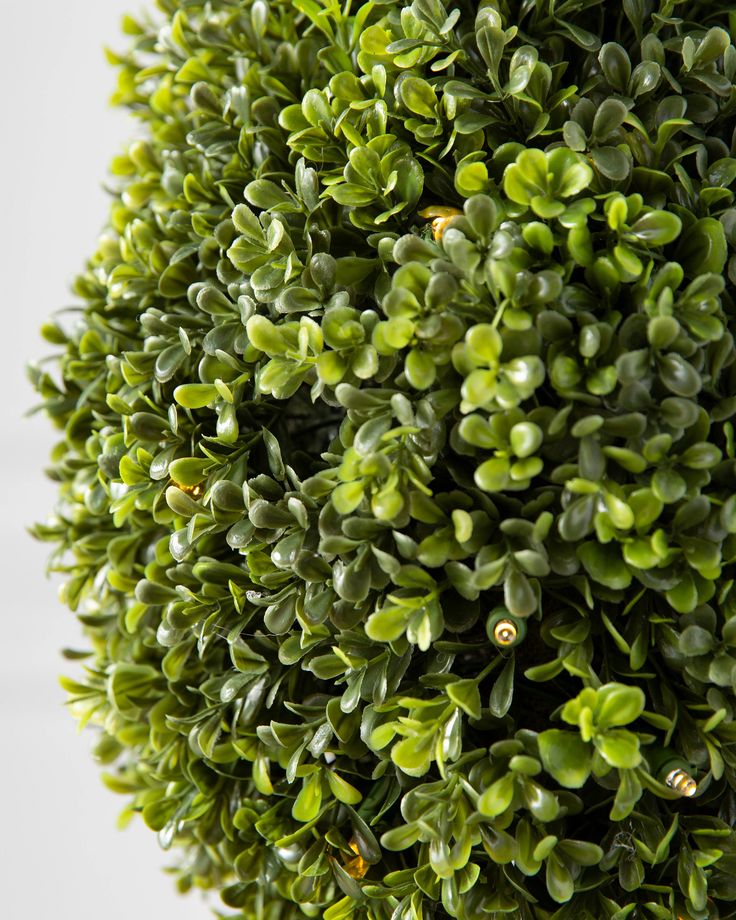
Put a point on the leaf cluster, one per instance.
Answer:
(405, 549)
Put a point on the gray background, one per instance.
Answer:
(62, 855)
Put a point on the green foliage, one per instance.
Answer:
(314, 450)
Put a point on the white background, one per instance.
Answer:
(61, 854)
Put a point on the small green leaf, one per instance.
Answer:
(195, 395)
(619, 748)
(558, 879)
(566, 757)
(188, 471)
(342, 790)
(540, 802)
(465, 694)
(420, 369)
(703, 248)
(400, 838)
(497, 797)
(418, 96)
(262, 193)
(307, 804)
(608, 118)
(604, 564)
(656, 228)
(502, 693)
(526, 438)
(617, 704)
(519, 595)
(347, 496)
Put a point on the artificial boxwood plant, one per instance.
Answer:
(396, 480)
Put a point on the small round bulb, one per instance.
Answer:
(442, 215)
(681, 782)
(504, 629)
(357, 867)
(196, 492)
(439, 225)
(505, 632)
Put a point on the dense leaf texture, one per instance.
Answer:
(397, 471)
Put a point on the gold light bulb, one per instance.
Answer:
(681, 782)
(196, 492)
(439, 225)
(356, 868)
(505, 632)
(442, 215)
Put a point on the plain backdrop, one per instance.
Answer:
(62, 856)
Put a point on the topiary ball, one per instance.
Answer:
(396, 482)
